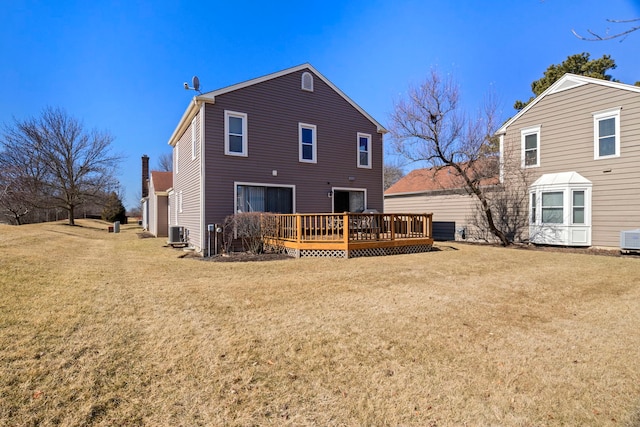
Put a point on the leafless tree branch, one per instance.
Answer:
(598, 37)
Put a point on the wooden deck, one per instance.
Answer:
(348, 235)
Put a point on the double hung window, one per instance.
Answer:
(308, 143)
(552, 207)
(530, 138)
(606, 129)
(235, 134)
(364, 150)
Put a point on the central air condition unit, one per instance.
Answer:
(630, 240)
(176, 236)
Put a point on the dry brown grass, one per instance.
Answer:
(108, 329)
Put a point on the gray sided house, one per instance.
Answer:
(579, 143)
(288, 142)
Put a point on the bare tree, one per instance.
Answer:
(430, 126)
(62, 164)
(623, 33)
(165, 162)
(391, 174)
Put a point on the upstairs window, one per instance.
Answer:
(307, 81)
(530, 140)
(308, 145)
(606, 130)
(364, 150)
(235, 134)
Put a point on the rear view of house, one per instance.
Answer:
(288, 142)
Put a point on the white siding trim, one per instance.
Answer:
(203, 226)
(194, 139)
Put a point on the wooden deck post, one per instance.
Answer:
(347, 233)
(392, 222)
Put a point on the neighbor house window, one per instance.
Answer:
(235, 134)
(577, 214)
(532, 219)
(552, 207)
(193, 139)
(530, 139)
(264, 198)
(308, 145)
(364, 150)
(606, 130)
(307, 82)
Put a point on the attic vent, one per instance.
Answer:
(567, 84)
(307, 81)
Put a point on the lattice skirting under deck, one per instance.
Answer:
(333, 253)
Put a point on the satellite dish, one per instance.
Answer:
(196, 83)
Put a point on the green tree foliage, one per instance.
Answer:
(114, 209)
(576, 64)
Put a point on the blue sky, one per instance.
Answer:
(120, 65)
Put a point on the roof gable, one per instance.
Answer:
(209, 97)
(567, 82)
(161, 181)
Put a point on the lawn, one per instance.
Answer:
(109, 329)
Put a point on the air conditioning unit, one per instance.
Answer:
(630, 240)
(176, 236)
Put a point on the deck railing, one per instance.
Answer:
(347, 231)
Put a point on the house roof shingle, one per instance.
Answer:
(432, 179)
(162, 181)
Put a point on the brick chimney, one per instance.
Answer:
(145, 176)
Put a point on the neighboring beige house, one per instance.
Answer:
(156, 205)
(579, 142)
(438, 191)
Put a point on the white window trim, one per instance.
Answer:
(310, 77)
(602, 115)
(350, 190)
(584, 207)
(176, 158)
(193, 139)
(314, 142)
(368, 136)
(523, 134)
(245, 137)
(261, 184)
(180, 201)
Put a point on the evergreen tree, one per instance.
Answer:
(114, 209)
(575, 64)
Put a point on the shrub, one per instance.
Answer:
(250, 227)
